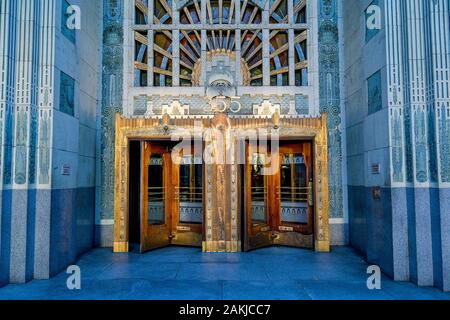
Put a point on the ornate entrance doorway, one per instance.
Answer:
(279, 202)
(290, 204)
(172, 197)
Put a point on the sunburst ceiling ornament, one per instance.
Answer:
(220, 14)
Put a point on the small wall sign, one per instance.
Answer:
(65, 170)
(376, 168)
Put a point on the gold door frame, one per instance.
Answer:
(222, 218)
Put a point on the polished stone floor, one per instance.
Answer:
(186, 273)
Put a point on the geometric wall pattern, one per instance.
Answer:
(418, 49)
(419, 96)
(330, 99)
(26, 103)
(113, 52)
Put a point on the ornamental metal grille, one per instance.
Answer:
(267, 41)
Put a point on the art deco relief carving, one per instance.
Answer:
(175, 109)
(266, 109)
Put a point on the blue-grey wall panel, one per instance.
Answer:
(371, 226)
(436, 237)
(85, 208)
(72, 226)
(445, 236)
(357, 218)
(31, 227)
(379, 235)
(6, 237)
(412, 234)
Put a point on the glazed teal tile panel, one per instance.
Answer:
(330, 99)
(111, 98)
(374, 93)
(67, 94)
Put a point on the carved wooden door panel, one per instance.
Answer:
(156, 197)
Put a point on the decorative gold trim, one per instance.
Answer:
(121, 247)
(158, 128)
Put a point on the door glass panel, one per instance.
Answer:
(294, 189)
(191, 190)
(156, 190)
(258, 189)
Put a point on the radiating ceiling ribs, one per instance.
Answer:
(220, 11)
(299, 6)
(279, 71)
(191, 21)
(244, 7)
(250, 42)
(230, 20)
(301, 65)
(140, 38)
(191, 43)
(232, 6)
(197, 9)
(166, 7)
(274, 6)
(160, 50)
(209, 9)
(255, 51)
(168, 34)
(250, 21)
(257, 64)
(188, 53)
(142, 7)
(220, 35)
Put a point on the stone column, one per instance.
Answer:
(400, 245)
(7, 85)
(420, 222)
(45, 140)
(24, 166)
(330, 97)
(113, 51)
(440, 212)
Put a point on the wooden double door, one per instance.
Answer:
(279, 196)
(171, 197)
